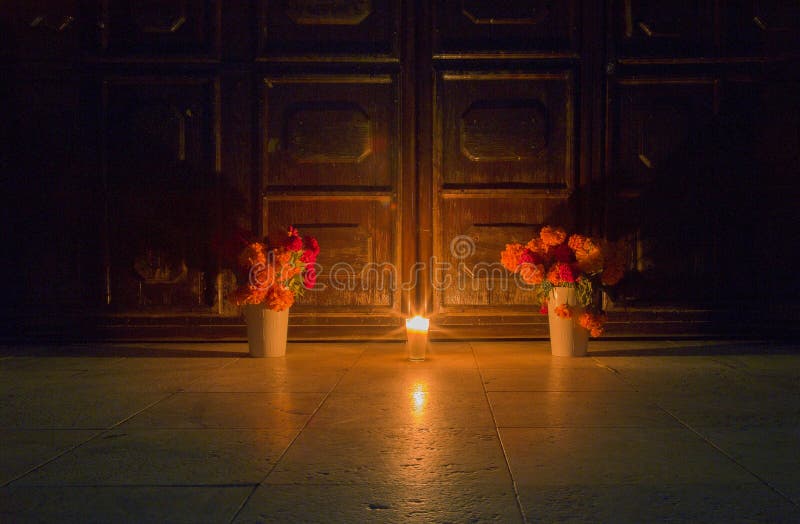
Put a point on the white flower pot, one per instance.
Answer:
(266, 331)
(567, 337)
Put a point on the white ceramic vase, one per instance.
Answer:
(266, 331)
(567, 337)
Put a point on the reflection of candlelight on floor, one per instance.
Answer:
(420, 397)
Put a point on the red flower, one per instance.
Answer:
(293, 243)
(543, 309)
(562, 253)
(309, 256)
(565, 272)
(310, 277)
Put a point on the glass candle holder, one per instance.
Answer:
(417, 337)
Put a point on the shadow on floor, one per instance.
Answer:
(701, 349)
(173, 350)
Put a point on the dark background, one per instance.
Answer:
(137, 137)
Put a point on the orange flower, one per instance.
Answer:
(249, 294)
(289, 271)
(532, 273)
(553, 275)
(552, 236)
(576, 242)
(279, 298)
(563, 311)
(511, 255)
(593, 322)
(253, 254)
(537, 246)
(587, 253)
(263, 276)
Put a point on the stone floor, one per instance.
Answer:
(701, 431)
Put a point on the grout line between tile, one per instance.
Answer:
(708, 441)
(102, 431)
(730, 457)
(294, 439)
(499, 438)
(93, 437)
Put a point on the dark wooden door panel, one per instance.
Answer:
(329, 132)
(158, 28)
(761, 27)
(524, 26)
(659, 156)
(160, 167)
(324, 29)
(40, 29)
(755, 204)
(473, 233)
(663, 29)
(504, 164)
(655, 121)
(506, 130)
(330, 167)
(48, 224)
(356, 268)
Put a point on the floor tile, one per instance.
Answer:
(404, 455)
(152, 374)
(229, 410)
(408, 376)
(264, 375)
(49, 407)
(129, 504)
(23, 449)
(576, 409)
(167, 457)
(602, 456)
(383, 502)
(523, 355)
(736, 408)
(548, 378)
(771, 453)
(415, 407)
(636, 503)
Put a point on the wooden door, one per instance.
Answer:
(463, 136)
(330, 156)
(505, 155)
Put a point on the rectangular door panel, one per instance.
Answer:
(321, 28)
(159, 165)
(40, 29)
(504, 165)
(662, 144)
(356, 267)
(663, 29)
(329, 132)
(157, 28)
(761, 27)
(506, 130)
(473, 233)
(465, 27)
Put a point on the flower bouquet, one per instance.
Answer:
(273, 276)
(568, 274)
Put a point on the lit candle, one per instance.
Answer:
(417, 336)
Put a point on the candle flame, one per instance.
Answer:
(418, 323)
